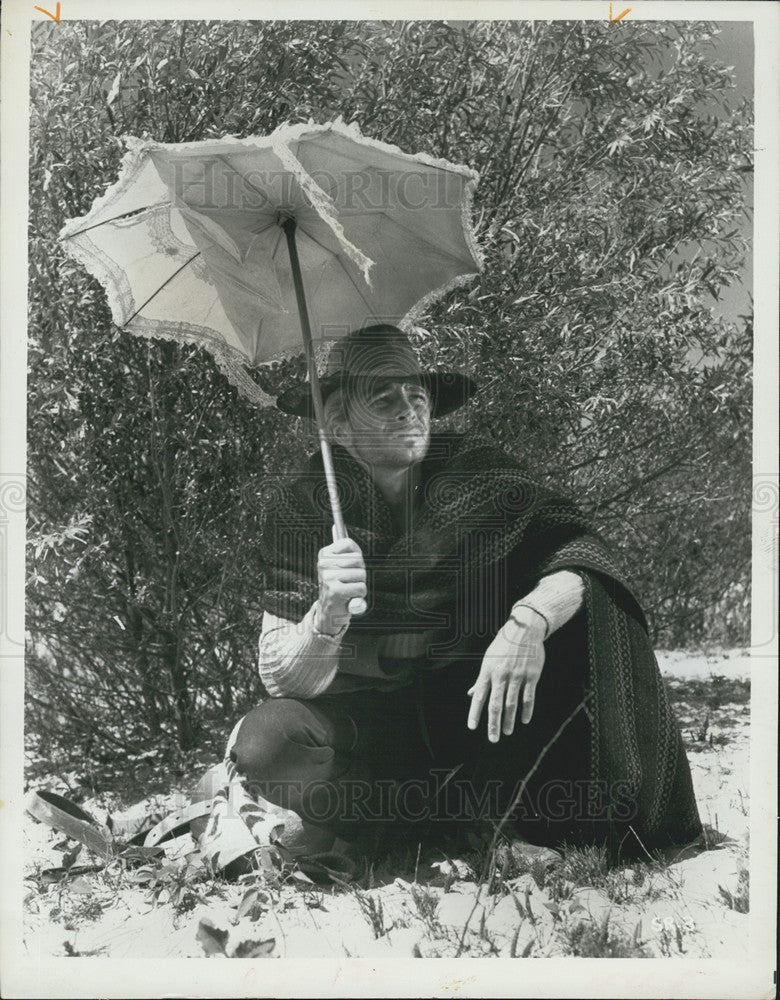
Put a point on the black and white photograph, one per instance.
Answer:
(388, 502)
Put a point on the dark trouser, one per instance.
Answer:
(344, 762)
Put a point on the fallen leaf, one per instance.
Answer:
(255, 949)
(251, 896)
(211, 938)
(300, 876)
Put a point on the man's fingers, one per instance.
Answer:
(510, 708)
(529, 695)
(343, 545)
(495, 708)
(344, 574)
(478, 694)
(337, 559)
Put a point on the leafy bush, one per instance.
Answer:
(609, 211)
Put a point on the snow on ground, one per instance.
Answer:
(695, 906)
(733, 663)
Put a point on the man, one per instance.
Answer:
(488, 596)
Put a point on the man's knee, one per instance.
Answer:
(279, 739)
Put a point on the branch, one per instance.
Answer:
(86, 725)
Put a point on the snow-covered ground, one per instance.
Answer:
(734, 663)
(694, 907)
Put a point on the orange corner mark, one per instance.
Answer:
(54, 17)
(612, 20)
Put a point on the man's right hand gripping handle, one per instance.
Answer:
(342, 578)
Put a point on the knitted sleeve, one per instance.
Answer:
(557, 598)
(297, 661)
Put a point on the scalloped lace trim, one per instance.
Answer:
(227, 358)
(231, 362)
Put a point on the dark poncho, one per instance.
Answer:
(483, 534)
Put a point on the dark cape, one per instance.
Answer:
(482, 536)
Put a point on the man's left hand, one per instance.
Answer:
(512, 664)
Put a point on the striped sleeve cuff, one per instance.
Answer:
(295, 659)
(557, 598)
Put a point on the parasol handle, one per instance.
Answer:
(357, 606)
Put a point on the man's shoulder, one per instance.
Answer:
(467, 452)
(466, 456)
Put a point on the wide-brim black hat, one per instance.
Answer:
(373, 352)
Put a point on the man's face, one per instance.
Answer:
(389, 421)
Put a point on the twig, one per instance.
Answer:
(640, 842)
(508, 813)
(86, 725)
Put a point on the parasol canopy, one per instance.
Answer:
(189, 242)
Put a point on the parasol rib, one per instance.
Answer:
(323, 205)
(116, 218)
(338, 258)
(245, 179)
(163, 285)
